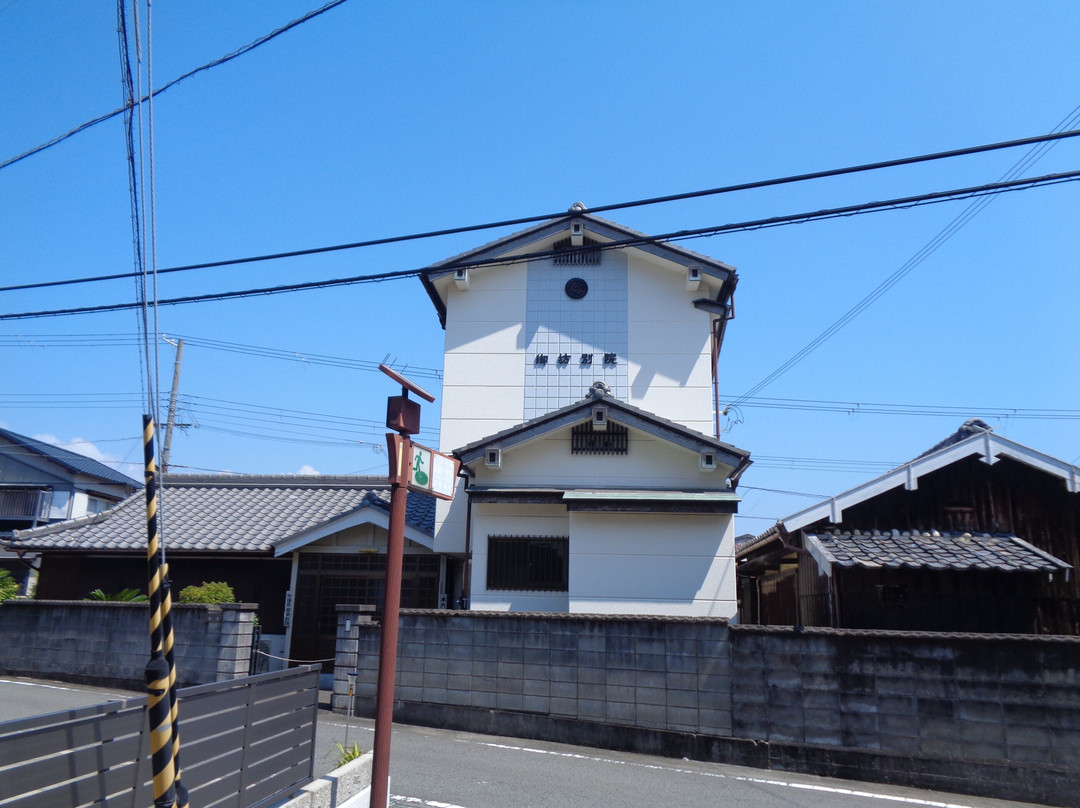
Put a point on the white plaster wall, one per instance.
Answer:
(669, 347)
(652, 564)
(483, 373)
(514, 520)
(649, 463)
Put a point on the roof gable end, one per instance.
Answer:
(981, 442)
(621, 413)
(532, 241)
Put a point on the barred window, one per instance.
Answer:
(533, 563)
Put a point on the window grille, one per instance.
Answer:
(586, 440)
(25, 503)
(529, 563)
(586, 255)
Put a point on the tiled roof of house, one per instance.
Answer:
(633, 416)
(227, 513)
(931, 550)
(972, 426)
(71, 461)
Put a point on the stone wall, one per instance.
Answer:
(991, 715)
(109, 643)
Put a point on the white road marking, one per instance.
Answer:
(397, 799)
(110, 696)
(756, 780)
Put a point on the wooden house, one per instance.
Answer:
(979, 533)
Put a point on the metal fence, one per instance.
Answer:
(245, 743)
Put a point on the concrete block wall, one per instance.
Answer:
(991, 715)
(109, 643)
(654, 673)
(1014, 699)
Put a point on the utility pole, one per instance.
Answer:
(172, 403)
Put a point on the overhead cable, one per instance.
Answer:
(835, 172)
(928, 410)
(904, 270)
(678, 235)
(144, 98)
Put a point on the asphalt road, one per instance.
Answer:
(444, 769)
(22, 698)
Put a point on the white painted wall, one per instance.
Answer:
(485, 363)
(668, 369)
(516, 520)
(483, 369)
(649, 463)
(670, 351)
(652, 564)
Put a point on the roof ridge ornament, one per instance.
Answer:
(599, 390)
(578, 207)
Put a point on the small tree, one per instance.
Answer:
(212, 592)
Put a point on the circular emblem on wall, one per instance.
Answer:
(576, 288)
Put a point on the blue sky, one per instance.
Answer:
(381, 119)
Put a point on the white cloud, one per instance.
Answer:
(88, 449)
(307, 470)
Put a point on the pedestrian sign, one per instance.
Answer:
(432, 473)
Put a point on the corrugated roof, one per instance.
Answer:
(932, 550)
(227, 513)
(72, 461)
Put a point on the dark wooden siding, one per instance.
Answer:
(260, 580)
(1007, 497)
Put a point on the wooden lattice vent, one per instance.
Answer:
(588, 254)
(612, 440)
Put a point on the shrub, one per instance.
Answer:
(9, 587)
(212, 592)
(124, 596)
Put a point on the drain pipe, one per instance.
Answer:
(466, 573)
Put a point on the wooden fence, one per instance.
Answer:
(245, 743)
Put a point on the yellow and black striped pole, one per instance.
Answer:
(158, 672)
(174, 713)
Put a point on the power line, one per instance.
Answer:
(921, 255)
(925, 410)
(836, 172)
(144, 98)
(781, 491)
(678, 235)
(284, 354)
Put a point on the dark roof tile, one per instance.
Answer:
(227, 513)
(929, 550)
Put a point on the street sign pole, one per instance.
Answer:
(384, 694)
(403, 416)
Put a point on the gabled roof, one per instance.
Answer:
(928, 550)
(69, 461)
(973, 438)
(620, 412)
(235, 513)
(493, 251)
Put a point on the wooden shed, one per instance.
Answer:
(979, 533)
